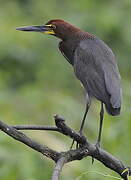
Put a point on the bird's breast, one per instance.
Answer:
(67, 49)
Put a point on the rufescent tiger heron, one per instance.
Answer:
(93, 63)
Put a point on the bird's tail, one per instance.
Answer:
(111, 110)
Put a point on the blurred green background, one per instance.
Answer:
(36, 82)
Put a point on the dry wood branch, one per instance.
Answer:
(90, 149)
(85, 147)
(35, 127)
(58, 168)
(19, 136)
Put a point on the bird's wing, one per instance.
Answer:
(112, 80)
(95, 67)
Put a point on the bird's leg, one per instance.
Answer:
(82, 123)
(100, 130)
(84, 118)
(101, 124)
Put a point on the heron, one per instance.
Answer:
(93, 62)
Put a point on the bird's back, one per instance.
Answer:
(96, 68)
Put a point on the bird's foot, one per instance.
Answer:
(97, 145)
(77, 144)
(72, 144)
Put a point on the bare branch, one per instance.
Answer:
(59, 121)
(58, 168)
(19, 136)
(85, 147)
(35, 127)
(89, 149)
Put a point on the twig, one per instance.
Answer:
(36, 127)
(19, 136)
(85, 147)
(90, 150)
(58, 168)
(59, 121)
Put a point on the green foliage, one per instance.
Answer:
(36, 82)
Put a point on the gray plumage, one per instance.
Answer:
(95, 66)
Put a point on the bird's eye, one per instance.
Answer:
(53, 26)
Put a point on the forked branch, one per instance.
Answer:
(85, 147)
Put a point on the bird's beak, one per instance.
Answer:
(46, 29)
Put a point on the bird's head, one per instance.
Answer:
(57, 27)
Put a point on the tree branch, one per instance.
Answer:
(90, 150)
(35, 127)
(19, 136)
(85, 147)
(58, 168)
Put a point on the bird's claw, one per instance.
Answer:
(97, 145)
(77, 144)
(81, 134)
(72, 144)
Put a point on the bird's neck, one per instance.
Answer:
(82, 35)
(78, 35)
(68, 45)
